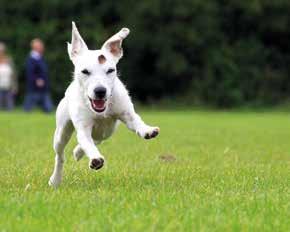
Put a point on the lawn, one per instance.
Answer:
(207, 171)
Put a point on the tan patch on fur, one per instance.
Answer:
(102, 59)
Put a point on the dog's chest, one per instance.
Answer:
(104, 128)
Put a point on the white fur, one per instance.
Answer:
(74, 112)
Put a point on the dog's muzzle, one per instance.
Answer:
(99, 103)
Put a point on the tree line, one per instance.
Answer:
(219, 53)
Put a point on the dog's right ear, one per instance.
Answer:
(78, 45)
(114, 44)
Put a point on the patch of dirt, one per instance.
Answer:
(167, 158)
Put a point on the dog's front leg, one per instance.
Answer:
(85, 140)
(136, 124)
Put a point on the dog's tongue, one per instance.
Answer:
(98, 104)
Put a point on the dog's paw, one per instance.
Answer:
(54, 181)
(149, 132)
(96, 163)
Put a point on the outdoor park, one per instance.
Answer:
(213, 76)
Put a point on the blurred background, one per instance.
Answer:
(180, 52)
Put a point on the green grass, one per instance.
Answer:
(231, 173)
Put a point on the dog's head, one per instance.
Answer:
(96, 70)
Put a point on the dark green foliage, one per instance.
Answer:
(222, 53)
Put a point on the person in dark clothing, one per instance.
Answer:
(37, 81)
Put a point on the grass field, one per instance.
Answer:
(207, 171)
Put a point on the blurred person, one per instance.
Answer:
(37, 81)
(8, 83)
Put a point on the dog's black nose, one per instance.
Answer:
(100, 92)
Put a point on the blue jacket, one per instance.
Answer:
(36, 68)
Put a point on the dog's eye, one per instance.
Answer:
(110, 70)
(86, 72)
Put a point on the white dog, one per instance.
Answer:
(94, 103)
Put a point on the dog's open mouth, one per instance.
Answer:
(98, 105)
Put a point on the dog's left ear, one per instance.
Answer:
(114, 44)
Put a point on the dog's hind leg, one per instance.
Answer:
(78, 152)
(63, 132)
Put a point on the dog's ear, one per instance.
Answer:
(77, 46)
(114, 44)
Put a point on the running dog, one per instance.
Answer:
(94, 103)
